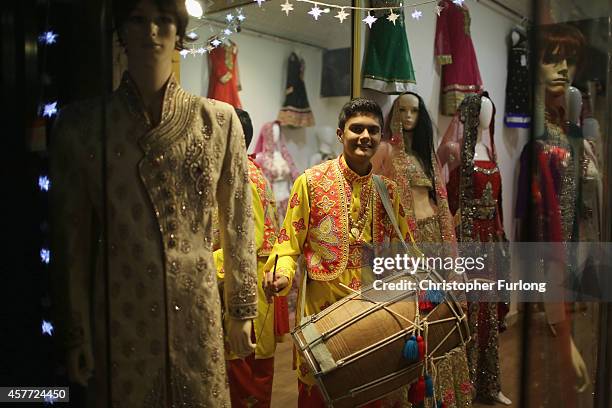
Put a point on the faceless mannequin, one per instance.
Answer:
(515, 37)
(275, 133)
(281, 169)
(486, 114)
(326, 137)
(573, 98)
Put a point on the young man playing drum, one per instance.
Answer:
(335, 214)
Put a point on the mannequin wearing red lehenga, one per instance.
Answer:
(474, 191)
(223, 81)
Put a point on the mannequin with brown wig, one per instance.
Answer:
(147, 165)
(546, 206)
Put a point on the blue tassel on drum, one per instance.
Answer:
(429, 386)
(411, 349)
(435, 296)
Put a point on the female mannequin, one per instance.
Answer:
(272, 155)
(164, 172)
(474, 168)
(409, 159)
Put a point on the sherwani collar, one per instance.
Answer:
(174, 118)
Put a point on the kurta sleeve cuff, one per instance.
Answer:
(243, 312)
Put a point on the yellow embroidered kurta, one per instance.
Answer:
(301, 230)
(156, 191)
(266, 227)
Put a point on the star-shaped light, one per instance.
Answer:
(50, 400)
(184, 52)
(369, 20)
(201, 50)
(438, 9)
(392, 17)
(458, 2)
(50, 109)
(44, 183)
(315, 12)
(229, 17)
(193, 36)
(417, 14)
(48, 37)
(259, 2)
(45, 255)
(47, 328)
(342, 15)
(227, 31)
(287, 7)
(215, 43)
(240, 16)
(209, 48)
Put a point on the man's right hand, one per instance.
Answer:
(80, 365)
(272, 287)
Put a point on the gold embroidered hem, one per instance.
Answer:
(296, 117)
(453, 96)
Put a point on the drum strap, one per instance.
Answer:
(386, 201)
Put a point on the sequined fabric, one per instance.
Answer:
(159, 186)
(475, 192)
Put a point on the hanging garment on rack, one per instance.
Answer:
(518, 109)
(454, 51)
(296, 110)
(388, 65)
(223, 82)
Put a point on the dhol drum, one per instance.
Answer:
(356, 348)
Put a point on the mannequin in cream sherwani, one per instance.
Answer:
(162, 184)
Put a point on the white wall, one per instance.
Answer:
(262, 64)
(489, 30)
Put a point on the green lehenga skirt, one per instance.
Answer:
(388, 65)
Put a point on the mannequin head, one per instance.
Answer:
(325, 138)
(408, 107)
(560, 47)
(275, 133)
(416, 122)
(486, 113)
(359, 130)
(573, 96)
(150, 29)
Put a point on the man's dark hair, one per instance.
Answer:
(124, 8)
(247, 125)
(359, 106)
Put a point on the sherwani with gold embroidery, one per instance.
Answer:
(151, 191)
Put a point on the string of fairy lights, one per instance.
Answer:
(317, 10)
(47, 110)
